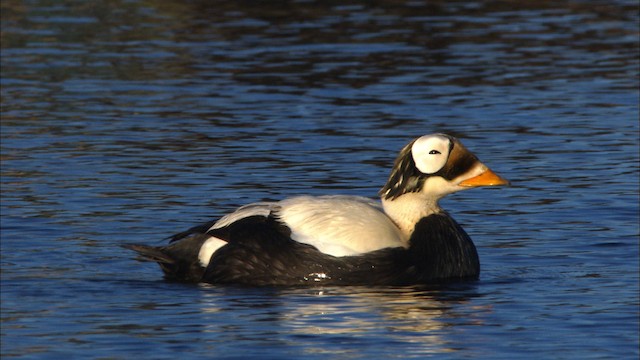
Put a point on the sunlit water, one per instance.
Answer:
(129, 121)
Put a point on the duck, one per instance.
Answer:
(405, 238)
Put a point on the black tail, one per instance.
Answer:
(150, 253)
(179, 260)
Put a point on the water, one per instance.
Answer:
(129, 121)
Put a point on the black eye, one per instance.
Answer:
(434, 152)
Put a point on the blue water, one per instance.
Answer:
(129, 121)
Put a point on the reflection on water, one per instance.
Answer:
(414, 317)
(126, 121)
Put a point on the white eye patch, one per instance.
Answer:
(430, 152)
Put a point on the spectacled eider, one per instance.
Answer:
(342, 240)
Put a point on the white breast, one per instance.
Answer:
(340, 225)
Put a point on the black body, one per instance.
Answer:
(260, 251)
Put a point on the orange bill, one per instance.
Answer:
(487, 178)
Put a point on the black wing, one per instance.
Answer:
(198, 229)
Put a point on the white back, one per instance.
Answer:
(255, 209)
(340, 225)
(335, 225)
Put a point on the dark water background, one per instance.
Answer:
(126, 121)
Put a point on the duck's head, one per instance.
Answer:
(437, 165)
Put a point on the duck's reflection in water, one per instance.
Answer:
(424, 319)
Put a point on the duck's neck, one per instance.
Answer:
(407, 209)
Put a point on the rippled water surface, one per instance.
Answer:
(126, 121)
